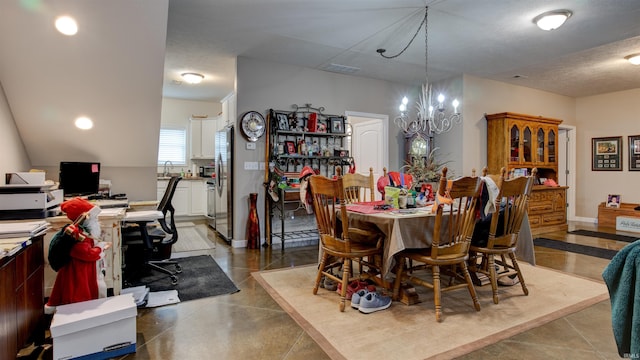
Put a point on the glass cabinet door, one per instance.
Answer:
(540, 146)
(514, 147)
(551, 144)
(526, 145)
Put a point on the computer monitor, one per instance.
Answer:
(79, 178)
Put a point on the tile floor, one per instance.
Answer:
(250, 325)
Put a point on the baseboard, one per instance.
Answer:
(585, 220)
(238, 243)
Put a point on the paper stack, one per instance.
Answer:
(140, 294)
(23, 229)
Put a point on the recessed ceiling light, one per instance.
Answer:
(633, 58)
(84, 123)
(67, 25)
(192, 78)
(552, 20)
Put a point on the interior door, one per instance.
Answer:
(369, 144)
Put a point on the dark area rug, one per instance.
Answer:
(201, 277)
(603, 235)
(575, 248)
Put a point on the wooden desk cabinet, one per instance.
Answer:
(21, 299)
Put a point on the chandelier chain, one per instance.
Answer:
(424, 22)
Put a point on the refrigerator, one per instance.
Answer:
(224, 183)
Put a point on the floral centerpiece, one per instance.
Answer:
(425, 169)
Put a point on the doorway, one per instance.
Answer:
(567, 166)
(369, 142)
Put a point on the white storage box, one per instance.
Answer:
(95, 329)
(628, 223)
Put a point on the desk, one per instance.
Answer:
(110, 221)
(406, 231)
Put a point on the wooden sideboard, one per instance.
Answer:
(548, 209)
(21, 298)
(607, 215)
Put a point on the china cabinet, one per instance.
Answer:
(520, 143)
(304, 136)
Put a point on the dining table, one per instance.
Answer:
(413, 228)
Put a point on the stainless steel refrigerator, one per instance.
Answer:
(224, 183)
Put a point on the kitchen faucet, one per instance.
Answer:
(165, 173)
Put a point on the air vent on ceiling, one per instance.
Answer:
(342, 69)
(176, 82)
(517, 76)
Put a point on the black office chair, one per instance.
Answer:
(145, 241)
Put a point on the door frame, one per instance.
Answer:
(570, 165)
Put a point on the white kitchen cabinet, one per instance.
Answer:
(198, 197)
(202, 138)
(189, 199)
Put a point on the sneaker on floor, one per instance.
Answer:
(373, 302)
(330, 284)
(355, 286)
(357, 296)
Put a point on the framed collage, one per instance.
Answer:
(634, 153)
(606, 153)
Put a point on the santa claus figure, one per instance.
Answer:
(74, 253)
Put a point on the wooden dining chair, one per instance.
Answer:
(455, 218)
(510, 208)
(333, 228)
(357, 186)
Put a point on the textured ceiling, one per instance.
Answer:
(493, 39)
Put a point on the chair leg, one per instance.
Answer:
(323, 262)
(346, 271)
(520, 277)
(436, 292)
(472, 289)
(493, 277)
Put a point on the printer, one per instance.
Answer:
(26, 195)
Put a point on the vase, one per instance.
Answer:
(253, 223)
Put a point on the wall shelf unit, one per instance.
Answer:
(304, 136)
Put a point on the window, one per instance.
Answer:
(173, 146)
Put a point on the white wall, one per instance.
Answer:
(613, 114)
(14, 155)
(263, 85)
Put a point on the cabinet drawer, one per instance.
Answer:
(534, 220)
(553, 218)
(540, 207)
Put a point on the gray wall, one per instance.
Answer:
(264, 85)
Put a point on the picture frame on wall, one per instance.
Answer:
(634, 153)
(606, 153)
(336, 125)
(282, 120)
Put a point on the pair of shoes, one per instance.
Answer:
(372, 302)
(358, 295)
(508, 280)
(354, 286)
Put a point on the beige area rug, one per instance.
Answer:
(411, 332)
(192, 237)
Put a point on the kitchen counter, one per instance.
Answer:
(184, 178)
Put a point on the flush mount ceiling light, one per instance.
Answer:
(633, 58)
(192, 78)
(552, 20)
(66, 25)
(84, 123)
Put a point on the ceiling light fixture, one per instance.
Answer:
(84, 123)
(192, 78)
(66, 25)
(427, 121)
(633, 58)
(552, 20)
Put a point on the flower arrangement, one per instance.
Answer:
(427, 169)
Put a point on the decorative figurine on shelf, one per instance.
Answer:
(74, 254)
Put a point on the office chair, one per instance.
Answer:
(142, 234)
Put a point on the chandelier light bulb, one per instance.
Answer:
(455, 104)
(402, 107)
(440, 98)
(405, 101)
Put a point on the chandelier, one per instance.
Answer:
(430, 117)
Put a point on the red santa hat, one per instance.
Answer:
(78, 206)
